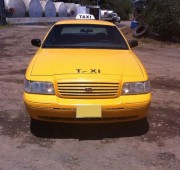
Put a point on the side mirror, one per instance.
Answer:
(36, 42)
(133, 43)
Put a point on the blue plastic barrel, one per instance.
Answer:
(134, 24)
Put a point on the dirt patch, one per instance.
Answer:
(165, 83)
(152, 143)
(164, 123)
(12, 121)
(21, 71)
(146, 41)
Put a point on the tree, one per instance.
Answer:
(163, 17)
(122, 7)
(85, 2)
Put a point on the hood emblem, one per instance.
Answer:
(88, 90)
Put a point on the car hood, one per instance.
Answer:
(85, 61)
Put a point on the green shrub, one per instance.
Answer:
(163, 17)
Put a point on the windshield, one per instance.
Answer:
(85, 36)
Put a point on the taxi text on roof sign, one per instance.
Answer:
(85, 16)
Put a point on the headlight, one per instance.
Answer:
(36, 87)
(136, 88)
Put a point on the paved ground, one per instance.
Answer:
(153, 144)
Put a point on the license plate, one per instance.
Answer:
(88, 111)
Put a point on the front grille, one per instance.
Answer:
(88, 89)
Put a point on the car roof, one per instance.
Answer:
(79, 21)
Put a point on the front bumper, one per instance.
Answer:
(52, 108)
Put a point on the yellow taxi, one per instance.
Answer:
(85, 72)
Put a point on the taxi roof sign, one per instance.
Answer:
(85, 16)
